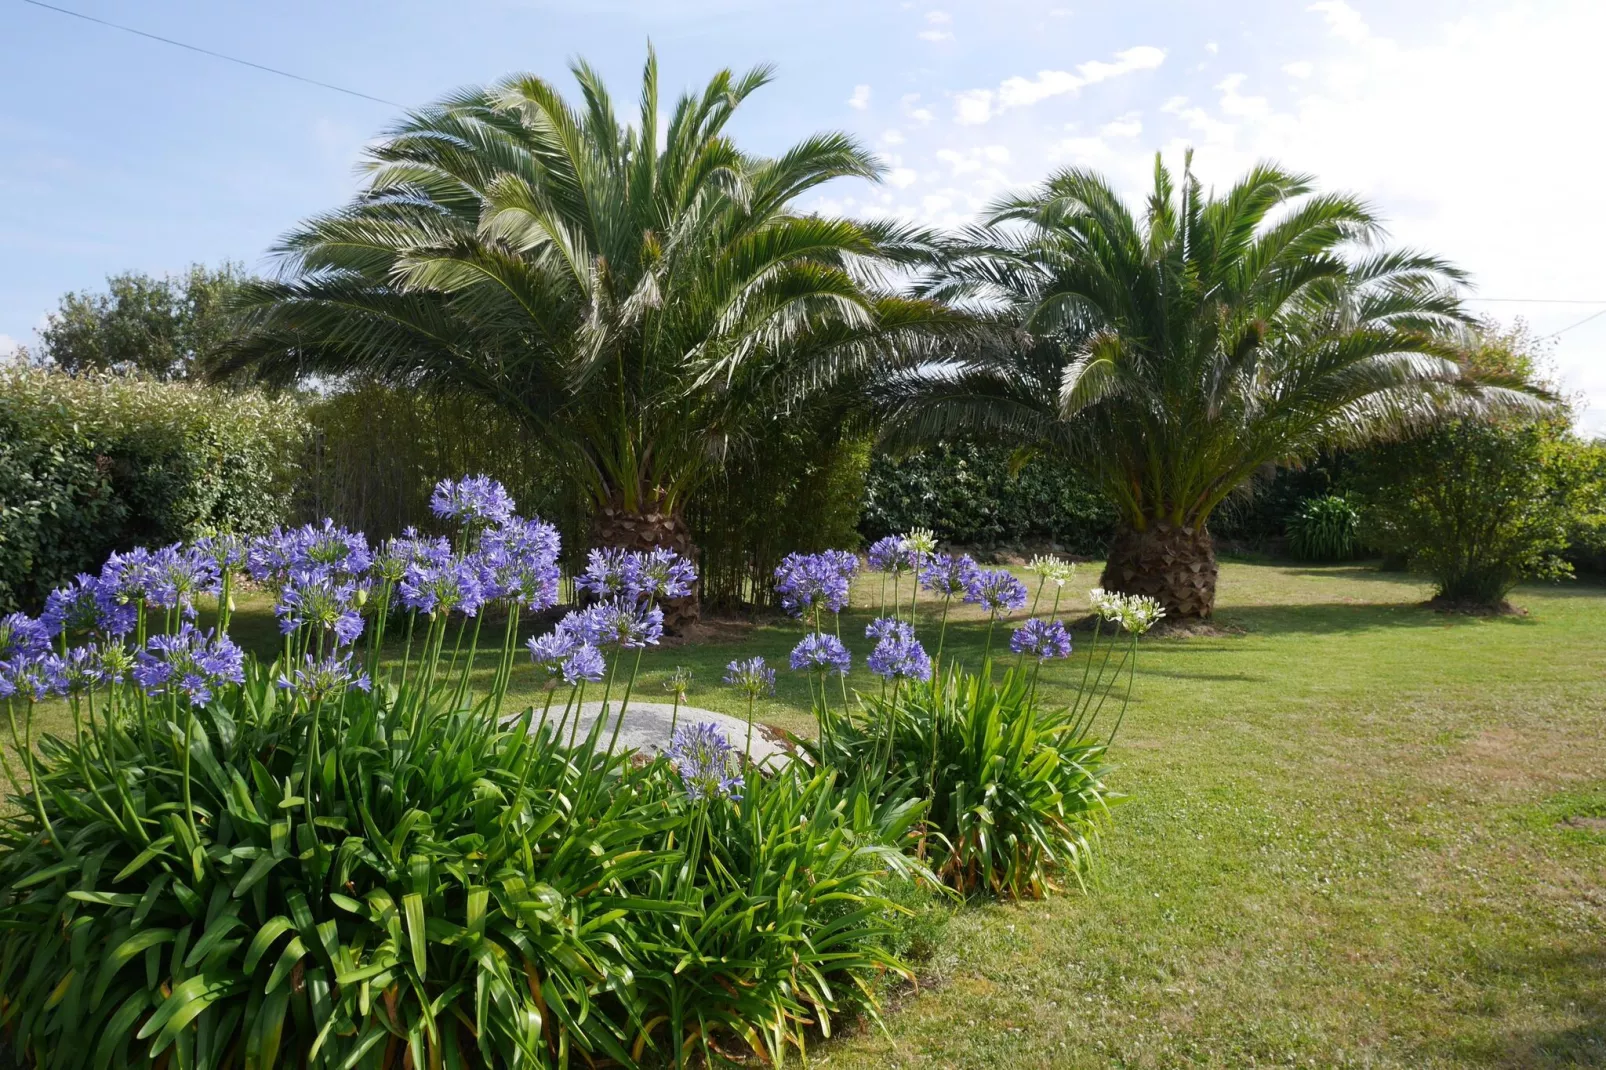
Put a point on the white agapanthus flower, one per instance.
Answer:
(1051, 569)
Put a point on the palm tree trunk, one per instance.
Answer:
(651, 526)
(1176, 565)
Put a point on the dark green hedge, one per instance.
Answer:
(967, 494)
(98, 463)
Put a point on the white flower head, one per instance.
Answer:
(1052, 569)
(1105, 604)
(1140, 613)
(921, 542)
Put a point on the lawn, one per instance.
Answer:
(1350, 841)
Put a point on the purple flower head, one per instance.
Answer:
(610, 572)
(822, 654)
(85, 605)
(805, 581)
(584, 663)
(949, 574)
(1042, 639)
(181, 575)
(453, 584)
(706, 762)
(472, 500)
(889, 628)
(900, 656)
(751, 677)
(128, 579)
(662, 574)
(316, 680)
(409, 548)
(996, 591)
(334, 548)
(549, 651)
(317, 599)
(89, 667)
(890, 554)
(519, 562)
(35, 677)
(190, 664)
(22, 636)
(225, 552)
(626, 625)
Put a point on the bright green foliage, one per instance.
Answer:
(1478, 506)
(1015, 791)
(168, 328)
(1325, 529)
(973, 494)
(98, 463)
(639, 295)
(364, 877)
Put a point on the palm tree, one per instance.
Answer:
(1177, 355)
(638, 295)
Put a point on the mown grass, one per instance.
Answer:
(1347, 843)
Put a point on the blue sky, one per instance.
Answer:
(1473, 125)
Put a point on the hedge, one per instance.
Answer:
(98, 463)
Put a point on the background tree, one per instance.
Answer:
(1176, 353)
(638, 295)
(164, 327)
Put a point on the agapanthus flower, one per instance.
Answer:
(585, 662)
(189, 664)
(805, 581)
(661, 574)
(442, 587)
(889, 555)
(519, 563)
(226, 552)
(889, 628)
(317, 599)
(609, 572)
(920, 544)
(900, 656)
(625, 625)
(549, 651)
(390, 563)
(315, 680)
(35, 677)
(332, 547)
(751, 676)
(129, 578)
(94, 665)
(472, 500)
(1134, 612)
(1042, 639)
(22, 636)
(678, 682)
(822, 654)
(181, 576)
(706, 762)
(1051, 569)
(997, 590)
(86, 606)
(949, 574)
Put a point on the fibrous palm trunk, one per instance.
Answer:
(647, 528)
(1176, 565)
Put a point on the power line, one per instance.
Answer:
(1580, 323)
(1536, 300)
(215, 55)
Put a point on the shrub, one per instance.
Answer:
(1325, 529)
(973, 495)
(1478, 506)
(98, 463)
(323, 863)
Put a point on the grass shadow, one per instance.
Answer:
(1339, 618)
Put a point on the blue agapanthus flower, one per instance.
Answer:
(822, 654)
(83, 607)
(805, 581)
(316, 680)
(472, 500)
(707, 764)
(661, 574)
(949, 574)
(900, 657)
(95, 665)
(890, 554)
(889, 628)
(549, 651)
(997, 590)
(189, 664)
(584, 663)
(751, 676)
(408, 548)
(226, 552)
(518, 562)
(620, 623)
(319, 600)
(1042, 639)
(34, 677)
(442, 587)
(22, 636)
(129, 578)
(181, 575)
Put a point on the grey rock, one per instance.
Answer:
(646, 729)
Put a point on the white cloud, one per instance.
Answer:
(1299, 69)
(892, 137)
(1212, 48)
(860, 99)
(976, 105)
(935, 35)
(922, 115)
(8, 345)
(902, 177)
(1235, 104)
(1128, 125)
(937, 23)
(1343, 21)
(973, 106)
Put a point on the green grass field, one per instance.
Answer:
(1353, 838)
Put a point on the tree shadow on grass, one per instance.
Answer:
(1337, 618)
(1583, 1044)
